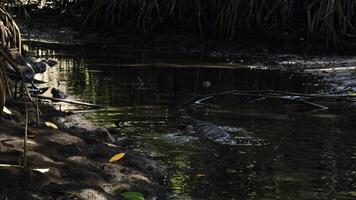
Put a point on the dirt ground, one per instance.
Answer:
(77, 155)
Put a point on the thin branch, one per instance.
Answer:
(69, 101)
(25, 139)
(260, 95)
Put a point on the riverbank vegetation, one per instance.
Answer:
(325, 22)
(10, 39)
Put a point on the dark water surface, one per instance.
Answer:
(302, 155)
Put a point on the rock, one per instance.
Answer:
(90, 194)
(50, 63)
(127, 143)
(206, 84)
(56, 93)
(77, 123)
(62, 138)
(17, 183)
(18, 144)
(35, 90)
(77, 169)
(27, 70)
(145, 164)
(37, 65)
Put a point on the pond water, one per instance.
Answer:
(300, 154)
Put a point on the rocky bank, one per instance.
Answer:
(75, 158)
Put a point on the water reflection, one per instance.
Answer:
(307, 155)
(125, 77)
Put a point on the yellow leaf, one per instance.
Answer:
(45, 170)
(117, 157)
(50, 124)
(352, 94)
(7, 111)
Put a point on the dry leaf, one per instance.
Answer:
(7, 111)
(44, 170)
(109, 144)
(8, 165)
(117, 157)
(50, 124)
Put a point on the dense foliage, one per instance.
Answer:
(330, 21)
(227, 19)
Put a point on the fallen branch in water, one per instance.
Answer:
(69, 101)
(260, 95)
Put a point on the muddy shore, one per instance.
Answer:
(75, 157)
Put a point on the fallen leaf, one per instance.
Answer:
(7, 111)
(109, 144)
(133, 195)
(117, 157)
(51, 125)
(7, 165)
(44, 170)
(31, 142)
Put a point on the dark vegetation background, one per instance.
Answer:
(298, 24)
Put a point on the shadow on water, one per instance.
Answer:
(303, 156)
